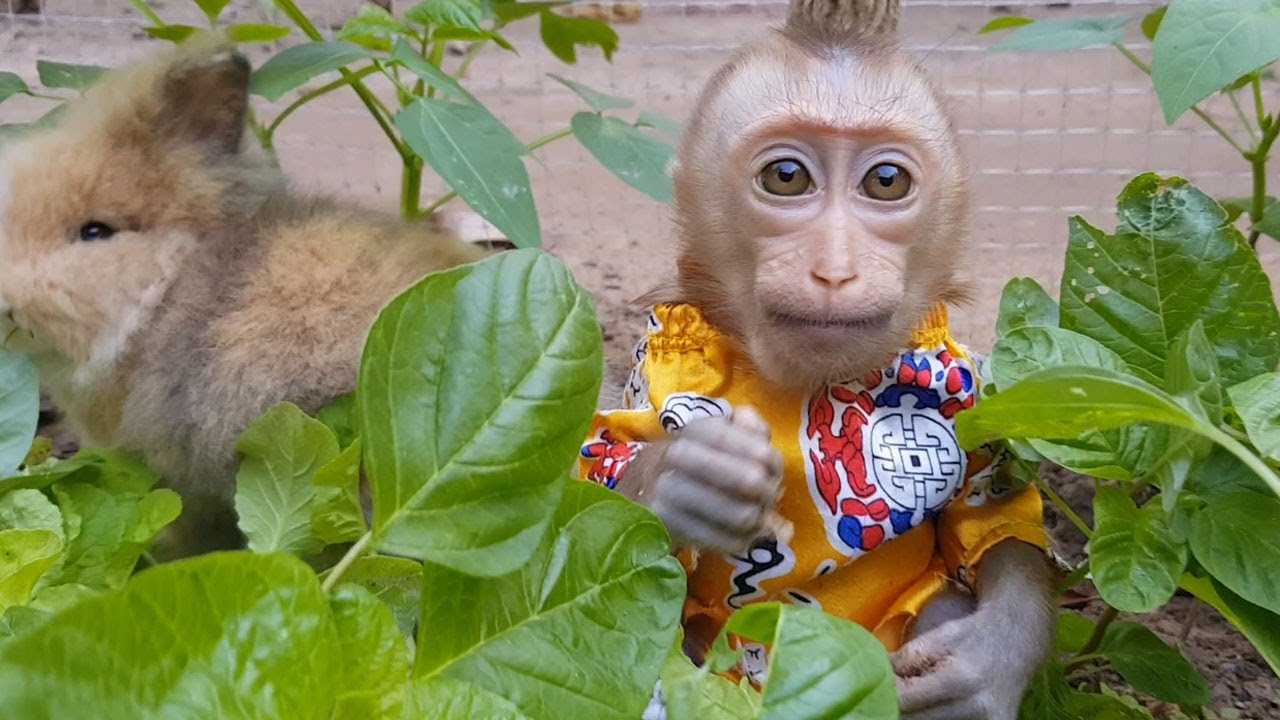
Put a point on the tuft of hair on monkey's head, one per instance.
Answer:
(820, 197)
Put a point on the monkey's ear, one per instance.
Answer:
(204, 99)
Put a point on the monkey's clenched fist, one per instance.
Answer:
(714, 485)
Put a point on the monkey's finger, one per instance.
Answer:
(948, 684)
(715, 507)
(692, 531)
(749, 419)
(719, 467)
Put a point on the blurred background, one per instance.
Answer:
(1048, 135)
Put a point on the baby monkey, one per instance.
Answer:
(791, 411)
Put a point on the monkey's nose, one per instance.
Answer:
(831, 278)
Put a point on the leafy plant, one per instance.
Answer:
(432, 120)
(1155, 373)
(487, 583)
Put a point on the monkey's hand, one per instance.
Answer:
(714, 485)
(978, 667)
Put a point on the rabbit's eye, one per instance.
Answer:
(95, 230)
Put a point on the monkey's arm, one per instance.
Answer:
(979, 666)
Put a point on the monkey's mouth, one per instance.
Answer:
(830, 325)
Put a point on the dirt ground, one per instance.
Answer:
(1047, 136)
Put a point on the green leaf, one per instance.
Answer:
(1067, 401)
(1004, 23)
(1023, 303)
(212, 8)
(435, 77)
(373, 21)
(280, 453)
(10, 85)
(1073, 632)
(579, 630)
(1174, 260)
(172, 33)
(1204, 45)
(1222, 474)
(598, 101)
(253, 634)
(635, 158)
(477, 414)
(19, 409)
(1151, 666)
(65, 75)
(336, 513)
(445, 699)
(1151, 22)
(25, 556)
(1058, 34)
(1237, 539)
(562, 34)
(1051, 698)
(1191, 371)
(663, 124)
(339, 417)
(1134, 559)
(27, 509)
(1257, 402)
(447, 13)
(256, 33)
(1269, 224)
(114, 531)
(1261, 627)
(479, 158)
(290, 68)
(397, 582)
(375, 659)
(694, 693)
(508, 11)
(820, 665)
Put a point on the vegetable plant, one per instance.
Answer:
(485, 583)
(1154, 373)
(427, 115)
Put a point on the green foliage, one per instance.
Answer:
(19, 408)
(466, 414)
(1151, 666)
(292, 67)
(1058, 33)
(67, 76)
(638, 159)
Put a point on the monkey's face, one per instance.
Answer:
(830, 215)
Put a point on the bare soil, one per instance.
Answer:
(1047, 136)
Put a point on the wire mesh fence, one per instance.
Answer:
(1046, 135)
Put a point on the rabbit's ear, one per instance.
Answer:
(205, 98)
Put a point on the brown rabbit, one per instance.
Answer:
(171, 287)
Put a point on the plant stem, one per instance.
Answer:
(1099, 631)
(1193, 615)
(1074, 578)
(411, 190)
(1244, 119)
(1063, 507)
(473, 51)
(1079, 661)
(1260, 468)
(43, 96)
(437, 59)
(363, 72)
(371, 101)
(346, 562)
(1258, 161)
(151, 16)
(1258, 107)
(1145, 68)
(544, 140)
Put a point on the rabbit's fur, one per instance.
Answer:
(221, 292)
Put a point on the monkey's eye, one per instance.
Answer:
(786, 178)
(887, 182)
(94, 230)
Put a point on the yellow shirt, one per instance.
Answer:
(886, 506)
